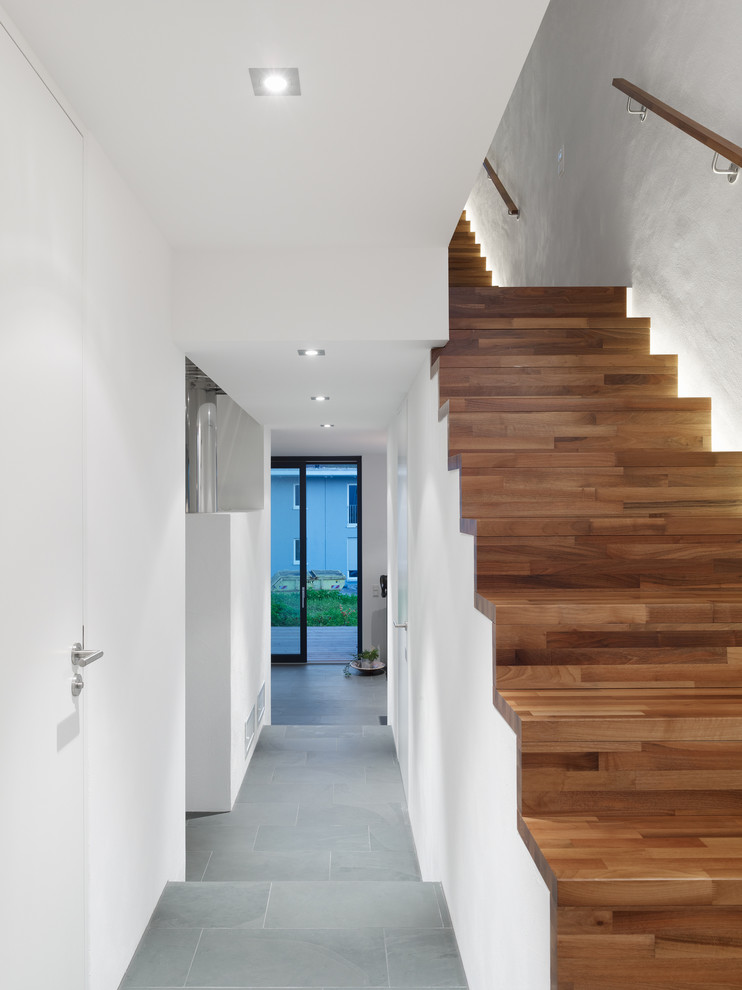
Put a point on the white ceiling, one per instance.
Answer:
(399, 102)
(276, 385)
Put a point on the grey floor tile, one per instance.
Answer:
(162, 959)
(268, 866)
(374, 866)
(349, 814)
(312, 731)
(392, 838)
(303, 744)
(305, 958)
(424, 957)
(383, 774)
(311, 838)
(278, 757)
(196, 862)
(353, 905)
(358, 758)
(212, 905)
(339, 774)
(369, 793)
(370, 744)
(286, 793)
(249, 813)
(208, 836)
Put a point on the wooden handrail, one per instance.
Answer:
(513, 210)
(711, 139)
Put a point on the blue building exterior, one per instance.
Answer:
(332, 520)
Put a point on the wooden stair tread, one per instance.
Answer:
(641, 848)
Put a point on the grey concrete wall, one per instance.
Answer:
(637, 203)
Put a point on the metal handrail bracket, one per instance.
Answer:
(731, 173)
(641, 112)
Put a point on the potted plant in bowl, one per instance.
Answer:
(365, 662)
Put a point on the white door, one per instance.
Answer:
(41, 786)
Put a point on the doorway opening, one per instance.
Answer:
(315, 559)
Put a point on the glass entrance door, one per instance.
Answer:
(315, 594)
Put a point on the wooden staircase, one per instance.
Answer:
(609, 540)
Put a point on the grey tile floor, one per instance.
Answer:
(312, 694)
(310, 881)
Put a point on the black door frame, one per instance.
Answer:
(301, 463)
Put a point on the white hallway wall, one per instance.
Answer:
(462, 769)
(227, 645)
(133, 564)
(637, 204)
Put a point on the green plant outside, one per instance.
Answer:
(324, 608)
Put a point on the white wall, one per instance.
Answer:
(208, 661)
(134, 566)
(637, 204)
(132, 557)
(462, 769)
(251, 646)
(41, 747)
(227, 646)
(374, 552)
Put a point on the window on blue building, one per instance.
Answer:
(352, 505)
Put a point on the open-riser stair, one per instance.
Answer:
(609, 540)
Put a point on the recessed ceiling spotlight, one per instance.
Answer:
(275, 82)
(311, 352)
(320, 398)
(327, 426)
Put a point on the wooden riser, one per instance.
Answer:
(548, 636)
(670, 463)
(589, 476)
(594, 360)
(589, 501)
(648, 676)
(567, 385)
(473, 432)
(609, 525)
(548, 342)
(540, 302)
(470, 278)
(651, 800)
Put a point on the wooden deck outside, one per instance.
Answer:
(325, 644)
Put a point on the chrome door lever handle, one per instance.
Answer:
(399, 625)
(81, 658)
